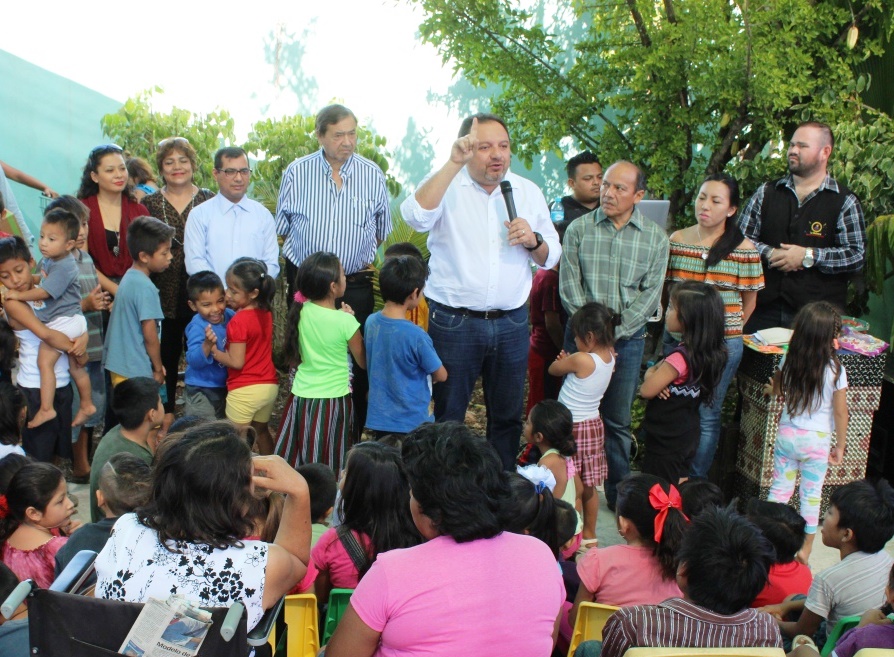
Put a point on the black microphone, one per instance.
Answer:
(506, 188)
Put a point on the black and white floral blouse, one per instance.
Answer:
(135, 566)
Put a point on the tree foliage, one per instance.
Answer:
(682, 87)
(272, 143)
(137, 128)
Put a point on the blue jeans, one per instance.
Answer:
(710, 415)
(496, 350)
(615, 406)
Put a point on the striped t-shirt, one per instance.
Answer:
(740, 271)
(678, 623)
(853, 585)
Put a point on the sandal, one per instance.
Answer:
(586, 544)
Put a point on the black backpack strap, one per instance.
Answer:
(353, 548)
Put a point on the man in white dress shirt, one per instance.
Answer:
(230, 226)
(481, 276)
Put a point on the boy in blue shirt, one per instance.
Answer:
(401, 360)
(206, 379)
(133, 346)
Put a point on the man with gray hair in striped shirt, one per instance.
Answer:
(336, 200)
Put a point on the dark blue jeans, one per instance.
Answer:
(496, 350)
(615, 406)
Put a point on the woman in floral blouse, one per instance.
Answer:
(715, 252)
(176, 161)
(190, 539)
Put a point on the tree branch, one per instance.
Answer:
(640, 24)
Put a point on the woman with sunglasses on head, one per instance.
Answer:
(106, 192)
(176, 162)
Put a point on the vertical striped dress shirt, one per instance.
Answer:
(676, 623)
(314, 215)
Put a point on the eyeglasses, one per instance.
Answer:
(174, 140)
(231, 173)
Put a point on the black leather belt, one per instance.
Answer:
(477, 314)
(364, 276)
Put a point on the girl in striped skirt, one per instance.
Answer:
(319, 345)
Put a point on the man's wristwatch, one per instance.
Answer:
(539, 242)
(808, 260)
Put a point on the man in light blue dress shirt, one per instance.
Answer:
(230, 226)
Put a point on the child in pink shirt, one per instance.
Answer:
(375, 511)
(651, 520)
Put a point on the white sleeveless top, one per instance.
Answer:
(28, 376)
(582, 396)
(134, 566)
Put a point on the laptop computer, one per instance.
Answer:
(657, 211)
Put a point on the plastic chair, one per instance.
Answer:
(842, 626)
(302, 623)
(591, 618)
(338, 602)
(705, 652)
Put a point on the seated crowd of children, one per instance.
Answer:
(691, 572)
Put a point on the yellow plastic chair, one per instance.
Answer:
(874, 652)
(705, 652)
(591, 617)
(302, 625)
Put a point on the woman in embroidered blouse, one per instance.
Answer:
(176, 160)
(715, 252)
(106, 191)
(189, 538)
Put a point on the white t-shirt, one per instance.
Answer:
(28, 375)
(818, 419)
(582, 396)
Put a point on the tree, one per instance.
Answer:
(137, 128)
(682, 87)
(272, 143)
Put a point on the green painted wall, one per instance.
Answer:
(48, 124)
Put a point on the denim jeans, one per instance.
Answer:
(496, 350)
(710, 415)
(615, 406)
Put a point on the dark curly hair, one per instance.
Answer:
(457, 479)
(201, 488)
(90, 188)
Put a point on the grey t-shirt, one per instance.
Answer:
(60, 281)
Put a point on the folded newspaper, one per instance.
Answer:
(171, 627)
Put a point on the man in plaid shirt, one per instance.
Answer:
(617, 257)
(809, 230)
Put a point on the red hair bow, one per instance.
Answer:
(4, 507)
(662, 502)
(299, 298)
